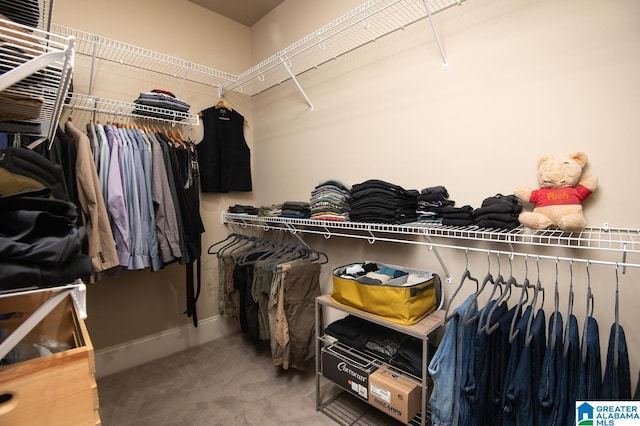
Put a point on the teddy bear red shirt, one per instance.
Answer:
(559, 196)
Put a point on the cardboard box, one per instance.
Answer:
(347, 368)
(57, 389)
(398, 395)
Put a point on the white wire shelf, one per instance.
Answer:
(106, 49)
(613, 240)
(362, 25)
(119, 109)
(36, 65)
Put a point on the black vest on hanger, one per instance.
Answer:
(223, 154)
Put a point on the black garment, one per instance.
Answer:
(223, 153)
(25, 162)
(40, 242)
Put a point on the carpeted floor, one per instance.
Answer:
(225, 382)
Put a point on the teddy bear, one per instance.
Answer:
(558, 201)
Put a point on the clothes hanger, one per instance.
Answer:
(569, 309)
(232, 235)
(488, 278)
(537, 289)
(504, 297)
(616, 337)
(524, 297)
(498, 282)
(588, 313)
(465, 275)
(222, 103)
(556, 312)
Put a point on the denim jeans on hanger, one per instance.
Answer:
(568, 377)
(617, 381)
(443, 370)
(547, 397)
(497, 357)
(517, 406)
(590, 384)
(474, 371)
(465, 358)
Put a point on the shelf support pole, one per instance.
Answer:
(295, 80)
(435, 251)
(445, 63)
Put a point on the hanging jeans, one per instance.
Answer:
(568, 376)
(547, 389)
(464, 361)
(590, 385)
(617, 378)
(444, 398)
(520, 402)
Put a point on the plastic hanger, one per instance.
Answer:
(524, 297)
(556, 304)
(232, 235)
(616, 337)
(488, 278)
(588, 313)
(465, 275)
(569, 309)
(504, 297)
(498, 282)
(537, 289)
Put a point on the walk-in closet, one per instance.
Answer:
(201, 199)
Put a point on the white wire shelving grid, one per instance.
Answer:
(360, 26)
(95, 47)
(36, 66)
(620, 241)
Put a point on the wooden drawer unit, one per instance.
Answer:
(56, 389)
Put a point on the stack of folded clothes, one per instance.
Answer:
(21, 104)
(499, 211)
(273, 210)
(380, 342)
(377, 201)
(330, 201)
(159, 98)
(295, 209)
(430, 201)
(457, 216)
(239, 208)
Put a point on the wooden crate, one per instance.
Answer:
(58, 389)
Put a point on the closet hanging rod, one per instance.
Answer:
(126, 109)
(624, 240)
(277, 224)
(456, 247)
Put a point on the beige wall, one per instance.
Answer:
(526, 77)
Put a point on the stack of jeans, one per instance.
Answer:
(295, 209)
(430, 201)
(377, 201)
(499, 211)
(330, 201)
(457, 216)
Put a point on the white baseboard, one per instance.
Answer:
(130, 354)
